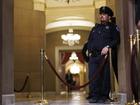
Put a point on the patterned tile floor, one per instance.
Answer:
(74, 98)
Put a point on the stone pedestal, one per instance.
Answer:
(8, 99)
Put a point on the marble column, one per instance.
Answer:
(125, 20)
(6, 53)
(0, 51)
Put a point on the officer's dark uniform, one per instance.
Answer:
(101, 35)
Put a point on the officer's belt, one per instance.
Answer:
(95, 53)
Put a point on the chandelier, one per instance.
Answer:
(70, 38)
(73, 56)
(74, 68)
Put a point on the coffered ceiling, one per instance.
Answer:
(69, 3)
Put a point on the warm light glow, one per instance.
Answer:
(73, 56)
(75, 69)
(70, 38)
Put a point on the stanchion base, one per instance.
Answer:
(132, 103)
(29, 96)
(42, 102)
(114, 99)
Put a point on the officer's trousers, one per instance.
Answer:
(100, 87)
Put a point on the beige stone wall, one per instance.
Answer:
(111, 4)
(29, 29)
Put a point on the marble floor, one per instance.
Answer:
(73, 98)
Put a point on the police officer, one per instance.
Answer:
(103, 36)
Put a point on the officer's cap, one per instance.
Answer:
(106, 10)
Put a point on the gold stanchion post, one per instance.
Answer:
(138, 39)
(29, 87)
(42, 101)
(112, 78)
(131, 42)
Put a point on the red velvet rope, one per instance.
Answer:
(78, 87)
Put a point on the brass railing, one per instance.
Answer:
(134, 40)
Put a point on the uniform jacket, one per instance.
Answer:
(102, 35)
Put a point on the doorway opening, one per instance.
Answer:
(77, 68)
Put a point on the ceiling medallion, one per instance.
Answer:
(67, 1)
